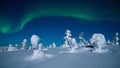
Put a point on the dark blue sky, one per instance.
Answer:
(52, 29)
(20, 19)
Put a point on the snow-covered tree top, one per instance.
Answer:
(25, 40)
(35, 39)
(81, 35)
(68, 34)
(68, 31)
(117, 34)
(10, 45)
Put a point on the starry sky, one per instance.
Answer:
(49, 19)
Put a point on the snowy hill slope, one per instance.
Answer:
(84, 59)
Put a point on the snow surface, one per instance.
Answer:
(81, 59)
(96, 53)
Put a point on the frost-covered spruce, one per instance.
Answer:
(73, 46)
(67, 38)
(24, 44)
(116, 39)
(82, 40)
(40, 47)
(108, 42)
(11, 48)
(16, 47)
(54, 45)
(73, 42)
(50, 46)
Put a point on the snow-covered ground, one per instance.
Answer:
(55, 59)
(95, 53)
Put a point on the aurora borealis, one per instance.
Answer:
(16, 14)
(78, 9)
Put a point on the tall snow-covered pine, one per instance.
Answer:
(116, 39)
(67, 38)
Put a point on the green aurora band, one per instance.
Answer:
(70, 12)
(6, 26)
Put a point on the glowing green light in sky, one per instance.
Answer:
(71, 12)
(8, 26)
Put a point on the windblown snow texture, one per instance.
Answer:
(65, 60)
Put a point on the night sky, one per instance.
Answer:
(49, 19)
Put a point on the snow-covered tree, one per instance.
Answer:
(54, 45)
(67, 38)
(10, 48)
(108, 42)
(73, 46)
(34, 41)
(82, 40)
(116, 39)
(24, 44)
(73, 41)
(37, 52)
(99, 42)
(40, 47)
(90, 42)
(50, 46)
(81, 37)
(16, 47)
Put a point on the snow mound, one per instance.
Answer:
(39, 55)
(45, 49)
(100, 51)
(70, 50)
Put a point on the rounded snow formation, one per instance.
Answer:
(37, 54)
(98, 39)
(99, 42)
(34, 41)
(100, 50)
